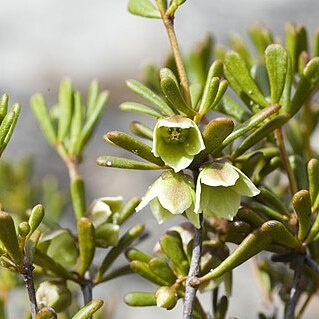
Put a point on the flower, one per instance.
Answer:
(219, 188)
(177, 140)
(171, 194)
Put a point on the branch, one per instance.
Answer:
(29, 283)
(194, 270)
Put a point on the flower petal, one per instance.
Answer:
(174, 156)
(176, 121)
(244, 186)
(194, 142)
(150, 195)
(174, 193)
(193, 217)
(223, 202)
(160, 213)
(219, 174)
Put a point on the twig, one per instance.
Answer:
(29, 283)
(312, 264)
(295, 291)
(194, 269)
(168, 21)
(86, 288)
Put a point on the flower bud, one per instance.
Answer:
(166, 297)
(54, 294)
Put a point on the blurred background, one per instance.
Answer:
(42, 42)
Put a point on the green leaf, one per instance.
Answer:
(135, 254)
(316, 44)
(268, 211)
(214, 134)
(237, 44)
(260, 36)
(92, 98)
(302, 205)
(91, 122)
(9, 238)
(126, 240)
(172, 247)
(65, 109)
(160, 267)
(140, 108)
(174, 4)
(260, 239)
(120, 162)
(86, 238)
(236, 70)
(141, 130)
(49, 264)
(144, 271)
(143, 8)
(107, 235)
(35, 219)
(128, 210)
(251, 123)
(299, 169)
(232, 108)
(313, 173)
(134, 146)
(3, 106)
(76, 123)
(196, 93)
(260, 133)
(170, 88)
(89, 309)
(140, 299)
(77, 189)
(277, 64)
(150, 96)
(308, 82)
(5, 128)
(41, 112)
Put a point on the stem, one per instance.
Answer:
(295, 291)
(194, 270)
(284, 157)
(169, 25)
(312, 264)
(307, 130)
(304, 306)
(29, 283)
(86, 288)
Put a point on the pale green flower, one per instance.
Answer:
(171, 194)
(177, 140)
(219, 188)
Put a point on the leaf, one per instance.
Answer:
(77, 189)
(9, 238)
(86, 238)
(134, 146)
(141, 130)
(120, 162)
(313, 173)
(35, 219)
(302, 205)
(251, 123)
(237, 69)
(65, 109)
(41, 112)
(214, 134)
(128, 210)
(140, 108)
(277, 64)
(3, 106)
(135, 254)
(5, 128)
(89, 309)
(160, 267)
(125, 241)
(150, 96)
(140, 299)
(260, 36)
(232, 108)
(260, 133)
(91, 121)
(143, 8)
(170, 88)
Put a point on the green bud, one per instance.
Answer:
(54, 294)
(35, 218)
(24, 229)
(166, 297)
(140, 299)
